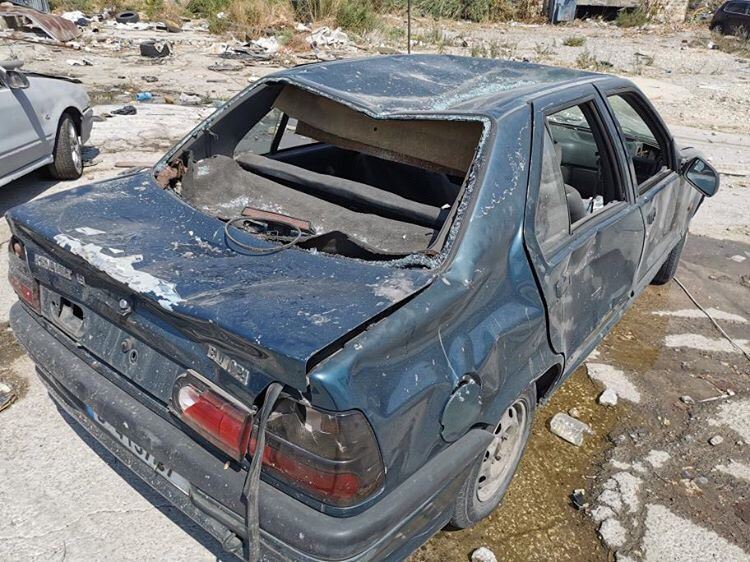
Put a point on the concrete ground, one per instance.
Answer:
(657, 488)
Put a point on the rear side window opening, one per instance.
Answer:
(308, 171)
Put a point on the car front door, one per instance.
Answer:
(583, 230)
(24, 139)
(660, 194)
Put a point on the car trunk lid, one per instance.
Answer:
(285, 310)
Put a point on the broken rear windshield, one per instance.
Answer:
(299, 169)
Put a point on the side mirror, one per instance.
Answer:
(16, 80)
(702, 176)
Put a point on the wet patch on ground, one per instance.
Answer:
(10, 350)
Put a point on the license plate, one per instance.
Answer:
(177, 480)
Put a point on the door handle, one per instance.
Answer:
(562, 285)
(651, 217)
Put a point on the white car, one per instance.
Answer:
(44, 121)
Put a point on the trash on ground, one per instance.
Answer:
(127, 16)
(126, 110)
(79, 62)
(569, 428)
(149, 79)
(224, 67)
(327, 37)
(578, 499)
(155, 49)
(716, 440)
(7, 395)
(483, 554)
(190, 99)
(144, 96)
(687, 400)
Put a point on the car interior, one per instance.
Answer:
(296, 167)
(585, 163)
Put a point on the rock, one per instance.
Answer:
(608, 398)
(7, 395)
(190, 99)
(483, 554)
(687, 399)
(701, 481)
(716, 440)
(569, 428)
(574, 413)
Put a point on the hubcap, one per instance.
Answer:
(75, 146)
(503, 452)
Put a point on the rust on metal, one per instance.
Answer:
(32, 21)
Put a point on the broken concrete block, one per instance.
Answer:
(613, 533)
(569, 428)
(608, 398)
(483, 554)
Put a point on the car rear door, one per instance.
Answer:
(24, 139)
(652, 170)
(585, 264)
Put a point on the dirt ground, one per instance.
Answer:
(656, 488)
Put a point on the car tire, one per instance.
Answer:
(127, 17)
(668, 269)
(493, 471)
(67, 163)
(719, 28)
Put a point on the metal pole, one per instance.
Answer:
(408, 26)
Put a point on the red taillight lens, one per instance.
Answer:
(332, 456)
(216, 416)
(26, 288)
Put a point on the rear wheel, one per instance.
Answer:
(493, 471)
(668, 269)
(67, 161)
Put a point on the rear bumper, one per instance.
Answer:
(290, 530)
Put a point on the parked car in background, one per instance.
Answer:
(322, 324)
(44, 121)
(732, 17)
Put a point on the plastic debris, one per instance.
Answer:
(190, 99)
(269, 44)
(578, 499)
(483, 554)
(144, 96)
(569, 429)
(125, 110)
(155, 49)
(79, 62)
(327, 37)
(716, 440)
(687, 400)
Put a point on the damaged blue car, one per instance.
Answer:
(322, 324)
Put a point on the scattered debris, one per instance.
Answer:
(190, 99)
(608, 398)
(687, 400)
(79, 62)
(225, 67)
(327, 37)
(77, 17)
(245, 51)
(657, 459)
(125, 110)
(738, 258)
(613, 533)
(574, 412)
(144, 96)
(150, 79)
(615, 379)
(155, 49)
(578, 499)
(716, 440)
(483, 554)
(569, 428)
(269, 44)
(7, 395)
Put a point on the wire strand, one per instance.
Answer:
(714, 322)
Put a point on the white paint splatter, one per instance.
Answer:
(657, 459)
(669, 538)
(736, 415)
(695, 313)
(395, 288)
(614, 379)
(121, 269)
(613, 533)
(736, 469)
(702, 343)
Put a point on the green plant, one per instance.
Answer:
(356, 15)
(586, 60)
(633, 17)
(574, 41)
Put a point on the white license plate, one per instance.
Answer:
(177, 480)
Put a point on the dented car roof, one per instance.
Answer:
(408, 84)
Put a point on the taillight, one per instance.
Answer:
(331, 456)
(25, 286)
(213, 414)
